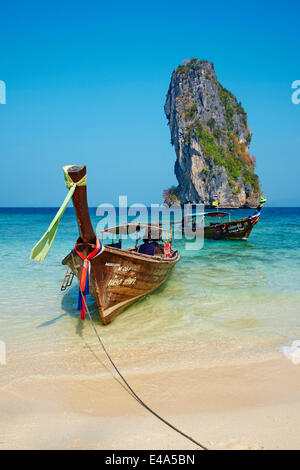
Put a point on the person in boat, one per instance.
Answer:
(148, 247)
(219, 232)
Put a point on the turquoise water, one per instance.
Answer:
(241, 298)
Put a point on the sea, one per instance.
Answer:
(230, 301)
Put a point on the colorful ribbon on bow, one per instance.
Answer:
(254, 218)
(84, 283)
(40, 250)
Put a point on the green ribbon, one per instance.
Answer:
(40, 250)
(262, 201)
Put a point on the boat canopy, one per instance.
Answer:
(209, 214)
(217, 214)
(152, 231)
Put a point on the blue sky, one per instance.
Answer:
(86, 83)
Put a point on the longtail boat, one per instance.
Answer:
(118, 277)
(231, 230)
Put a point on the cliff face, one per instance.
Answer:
(211, 137)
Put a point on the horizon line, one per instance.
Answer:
(109, 204)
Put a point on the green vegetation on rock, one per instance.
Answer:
(232, 106)
(226, 157)
(191, 113)
(170, 196)
(191, 64)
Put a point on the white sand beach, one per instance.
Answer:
(77, 402)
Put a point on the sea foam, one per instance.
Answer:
(292, 352)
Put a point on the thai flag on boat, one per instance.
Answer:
(215, 197)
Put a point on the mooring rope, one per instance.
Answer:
(129, 388)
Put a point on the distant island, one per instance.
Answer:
(211, 136)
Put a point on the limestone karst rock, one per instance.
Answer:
(211, 137)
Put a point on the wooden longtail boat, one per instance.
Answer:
(231, 230)
(118, 277)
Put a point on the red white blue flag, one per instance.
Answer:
(215, 197)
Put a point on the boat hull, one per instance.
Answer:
(118, 278)
(234, 230)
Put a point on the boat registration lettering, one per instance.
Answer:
(235, 228)
(118, 281)
(124, 269)
(129, 281)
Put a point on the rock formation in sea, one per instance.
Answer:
(210, 133)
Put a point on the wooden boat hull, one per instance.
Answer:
(234, 230)
(118, 278)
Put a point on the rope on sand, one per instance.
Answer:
(129, 388)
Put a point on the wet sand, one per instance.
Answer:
(75, 401)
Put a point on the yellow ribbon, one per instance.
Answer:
(40, 250)
(68, 180)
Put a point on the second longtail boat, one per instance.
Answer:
(231, 230)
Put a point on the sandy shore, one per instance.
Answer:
(75, 402)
